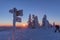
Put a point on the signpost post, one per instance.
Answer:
(14, 22)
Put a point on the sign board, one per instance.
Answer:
(18, 19)
(19, 13)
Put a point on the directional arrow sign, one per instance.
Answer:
(19, 13)
(18, 19)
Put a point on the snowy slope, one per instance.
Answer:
(40, 34)
(31, 34)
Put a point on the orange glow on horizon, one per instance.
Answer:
(5, 24)
(21, 24)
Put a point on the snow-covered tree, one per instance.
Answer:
(35, 21)
(29, 21)
(45, 22)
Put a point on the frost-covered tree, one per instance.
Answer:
(35, 21)
(45, 22)
(29, 21)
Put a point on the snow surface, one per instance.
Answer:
(31, 34)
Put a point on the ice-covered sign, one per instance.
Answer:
(12, 10)
(18, 12)
(18, 19)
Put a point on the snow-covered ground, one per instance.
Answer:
(31, 34)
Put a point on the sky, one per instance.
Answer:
(37, 7)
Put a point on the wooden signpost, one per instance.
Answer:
(15, 13)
